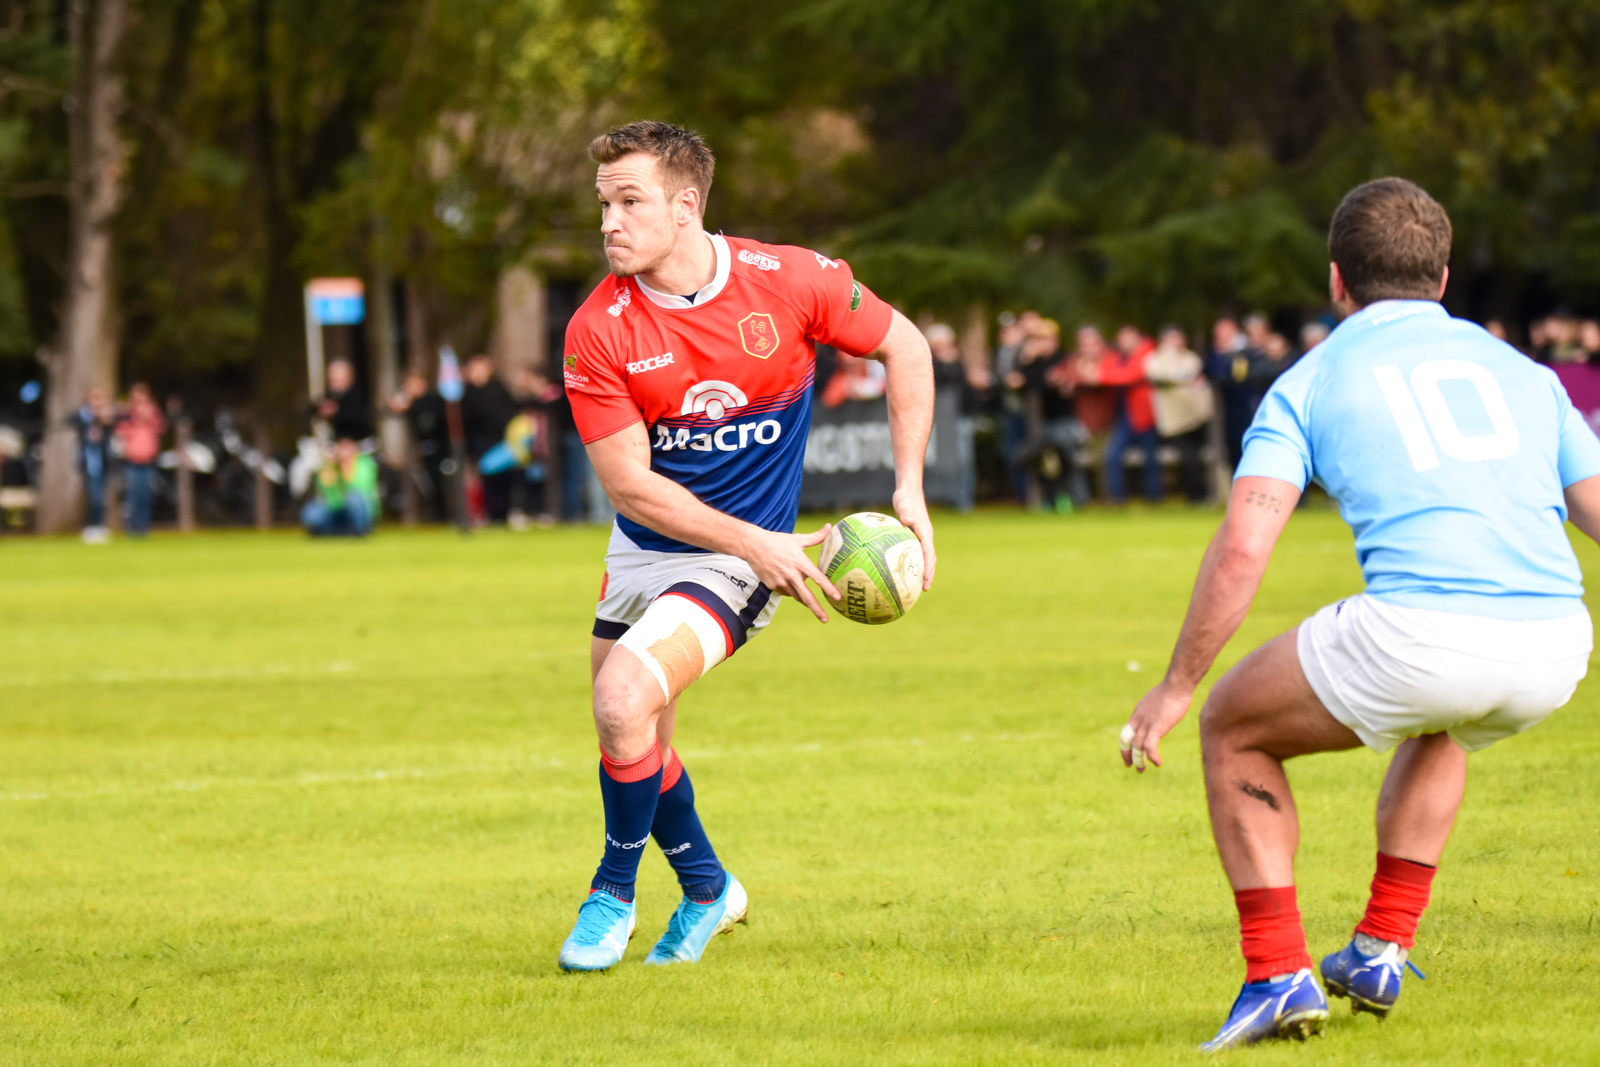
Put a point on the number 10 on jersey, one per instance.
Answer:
(1424, 418)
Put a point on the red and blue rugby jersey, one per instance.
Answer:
(722, 382)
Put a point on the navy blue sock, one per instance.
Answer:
(629, 791)
(678, 831)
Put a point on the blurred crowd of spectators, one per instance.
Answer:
(1047, 418)
(1071, 418)
(127, 436)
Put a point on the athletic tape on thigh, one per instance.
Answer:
(678, 640)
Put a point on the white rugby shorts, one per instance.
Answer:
(1390, 672)
(682, 613)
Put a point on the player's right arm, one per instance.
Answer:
(622, 462)
(1230, 574)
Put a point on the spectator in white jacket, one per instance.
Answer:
(1184, 404)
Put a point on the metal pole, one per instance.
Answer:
(450, 388)
(263, 485)
(316, 379)
(185, 475)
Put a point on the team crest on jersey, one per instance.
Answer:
(624, 298)
(759, 333)
(759, 259)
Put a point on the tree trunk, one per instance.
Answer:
(87, 352)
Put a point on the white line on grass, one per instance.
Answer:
(184, 674)
(412, 774)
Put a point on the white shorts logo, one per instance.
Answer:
(655, 363)
(624, 298)
(712, 399)
(758, 259)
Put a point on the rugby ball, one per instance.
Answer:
(876, 564)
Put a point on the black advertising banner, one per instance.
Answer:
(849, 463)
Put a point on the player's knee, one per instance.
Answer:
(1219, 724)
(623, 699)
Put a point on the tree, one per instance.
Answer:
(87, 353)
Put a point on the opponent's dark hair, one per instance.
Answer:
(1391, 241)
(682, 155)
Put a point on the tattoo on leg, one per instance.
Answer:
(1257, 793)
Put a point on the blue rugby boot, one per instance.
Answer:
(693, 925)
(1289, 1007)
(601, 935)
(1368, 971)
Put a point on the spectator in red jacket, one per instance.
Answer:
(1124, 368)
(140, 429)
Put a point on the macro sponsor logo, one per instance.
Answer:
(654, 363)
(624, 298)
(758, 332)
(759, 259)
(825, 263)
(716, 400)
(713, 399)
(729, 438)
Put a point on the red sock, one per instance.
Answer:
(671, 769)
(635, 770)
(1399, 897)
(1270, 934)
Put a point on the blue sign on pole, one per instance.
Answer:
(338, 310)
(337, 301)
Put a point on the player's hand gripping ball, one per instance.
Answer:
(876, 564)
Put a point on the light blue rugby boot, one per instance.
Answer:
(1368, 971)
(1292, 1006)
(601, 934)
(693, 925)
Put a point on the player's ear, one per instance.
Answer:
(1336, 289)
(1444, 281)
(688, 201)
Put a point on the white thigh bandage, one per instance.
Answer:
(678, 640)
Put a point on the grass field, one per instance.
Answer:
(266, 801)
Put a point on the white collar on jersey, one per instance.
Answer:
(711, 289)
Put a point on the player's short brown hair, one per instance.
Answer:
(1391, 241)
(682, 155)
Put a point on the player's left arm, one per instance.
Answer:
(908, 367)
(1583, 506)
(1230, 574)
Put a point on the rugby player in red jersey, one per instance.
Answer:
(690, 372)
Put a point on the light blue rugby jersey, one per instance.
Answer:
(1447, 451)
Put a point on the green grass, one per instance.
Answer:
(266, 801)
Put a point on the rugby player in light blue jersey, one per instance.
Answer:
(1456, 461)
